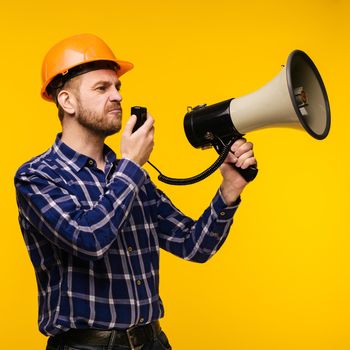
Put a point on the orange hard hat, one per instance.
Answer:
(76, 51)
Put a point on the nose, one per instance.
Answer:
(115, 95)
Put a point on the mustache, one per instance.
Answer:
(113, 107)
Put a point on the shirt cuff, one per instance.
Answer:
(224, 211)
(130, 172)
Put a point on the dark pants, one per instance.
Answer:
(160, 343)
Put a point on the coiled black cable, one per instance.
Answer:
(225, 149)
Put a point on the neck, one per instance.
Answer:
(85, 142)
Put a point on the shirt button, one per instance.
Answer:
(142, 320)
(90, 162)
(139, 282)
(222, 213)
(129, 249)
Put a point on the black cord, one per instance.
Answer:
(201, 176)
(153, 166)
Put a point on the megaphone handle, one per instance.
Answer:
(248, 174)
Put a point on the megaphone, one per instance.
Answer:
(295, 98)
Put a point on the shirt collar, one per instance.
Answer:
(77, 160)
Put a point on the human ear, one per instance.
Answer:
(67, 101)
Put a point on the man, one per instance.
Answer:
(94, 223)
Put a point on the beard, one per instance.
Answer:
(99, 123)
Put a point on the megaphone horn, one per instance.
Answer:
(295, 98)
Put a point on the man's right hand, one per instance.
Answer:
(138, 146)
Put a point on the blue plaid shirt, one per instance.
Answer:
(94, 236)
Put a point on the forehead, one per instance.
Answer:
(95, 76)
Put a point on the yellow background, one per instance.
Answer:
(282, 279)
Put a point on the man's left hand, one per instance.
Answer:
(233, 183)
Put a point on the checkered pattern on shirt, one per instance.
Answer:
(94, 237)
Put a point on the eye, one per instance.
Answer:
(101, 88)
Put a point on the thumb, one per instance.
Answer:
(130, 124)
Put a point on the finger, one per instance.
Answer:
(149, 135)
(237, 144)
(243, 148)
(231, 158)
(249, 162)
(244, 157)
(130, 124)
(148, 124)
